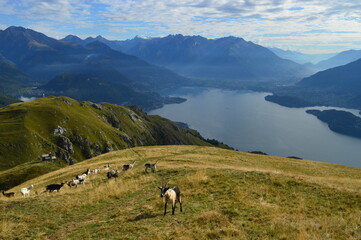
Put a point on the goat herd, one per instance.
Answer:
(170, 195)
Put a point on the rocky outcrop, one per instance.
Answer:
(64, 143)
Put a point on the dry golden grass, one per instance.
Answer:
(226, 195)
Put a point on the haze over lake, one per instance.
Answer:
(245, 121)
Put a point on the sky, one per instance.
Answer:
(309, 26)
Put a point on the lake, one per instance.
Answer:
(245, 121)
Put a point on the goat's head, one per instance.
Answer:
(163, 189)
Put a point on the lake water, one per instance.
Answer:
(245, 121)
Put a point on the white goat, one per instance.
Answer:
(81, 177)
(171, 195)
(26, 191)
(75, 182)
(96, 171)
(107, 167)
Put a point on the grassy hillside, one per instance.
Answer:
(76, 131)
(226, 195)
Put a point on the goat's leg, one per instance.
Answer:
(165, 208)
(173, 207)
(180, 203)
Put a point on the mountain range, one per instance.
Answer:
(228, 58)
(31, 57)
(43, 58)
(299, 57)
(340, 59)
(88, 87)
(339, 86)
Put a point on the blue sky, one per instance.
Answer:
(310, 26)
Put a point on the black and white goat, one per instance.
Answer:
(151, 166)
(26, 191)
(75, 182)
(54, 187)
(128, 166)
(87, 172)
(9, 194)
(81, 177)
(171, 195)
(112, 174)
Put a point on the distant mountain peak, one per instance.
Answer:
(97, 45)
(71, 38)
(99, 37)
(142, 37)
(16, 28)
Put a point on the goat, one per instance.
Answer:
(26, 191)
(128, 166)
(81, 177)
(75, 182)
(170, 195)
(54, 187)
(96, 171)
(151, 166)
(87, 172)
(9, 194)
(106, 167)
(112, 174)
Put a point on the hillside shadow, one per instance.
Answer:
(143, 216)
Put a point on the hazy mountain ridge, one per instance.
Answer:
(42, 58)
(340, 59)
(87, 87)
(6, 100)
(338, 87)
(228, 58)
(299, 57)
(12, 80)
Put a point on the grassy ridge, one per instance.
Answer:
(27, 130)
(226, 195)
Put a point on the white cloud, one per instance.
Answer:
(256, 20)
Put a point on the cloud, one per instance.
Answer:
(250, 19)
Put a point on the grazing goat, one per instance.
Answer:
(107, 167)
(151, 166)
(9, 194)
(54, 187)
(128, 166)
(112, 174)
(81, 177)
(87, 172)
(170, 195)
(26, 191)
(75, 182)
(96, 171)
